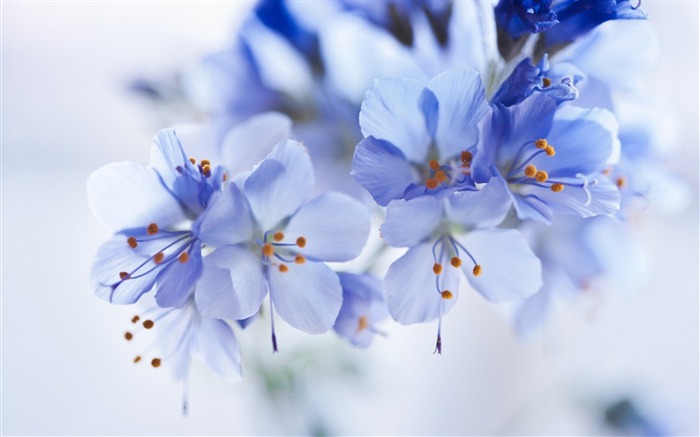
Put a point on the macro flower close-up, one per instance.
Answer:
(350, 217)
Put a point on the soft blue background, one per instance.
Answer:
(66, 369)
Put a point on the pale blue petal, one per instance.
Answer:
(410, 290)
(168, 157)
(393, 111)
(126, 195)
(334, 225)
(250, 141)
(280, 184)
(482, 208)
(175, 282)
(232, 285)
(599, 196)
(382, 169)
(308, 296)
(228, 220)
(509, 268)
(216, 345)
(409, 222)
(461, 106)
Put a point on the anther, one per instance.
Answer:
(128, 336)
(299, 259)
(466, 157)
(440, 176)
(124, 275)
(546, 82)
(148, 323)
(204, 162)
(541, 176)
(434, 165)
(456, 261)
(193, 161)
(620, 182)
(541, 143)
(476, 270)
(437, 268)
(135, 319)
(431, 184)
(301, 241)
(158, 257)
(278, 236)
(447, 294)
(362, 323)
(224, 177)
(206, 170)
(557, 188)
(549, 150)
(268, 250)
(183, 257)
(152, 229)
(131, 241)
(137, 358)
(284, 268)
(530, 171)
(607, 171)
(155, 362)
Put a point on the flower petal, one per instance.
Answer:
(509, 268)
(279, 185)
(232, 285)
(382, 169)
(175, 282)
(334, 225)
(482, 208)
(216, 345)
(228, 220)
(393, 111)
(126, 195)
(410, 287)
(598, 196)
(461, 106)
(409, 222)
(308, 296)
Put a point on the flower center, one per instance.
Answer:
(448, 174)
(278, 253)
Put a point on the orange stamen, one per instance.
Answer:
(268, 250)
(284, 268)
(155, 362)
(440, 176)
(541, 143)
(437, 268)
(476, 270)
(128, 336)
(124, 275)
(301, 241)
(541, 176)
(431, 184)
(206, 170)
(557, 188)
(148, 324)
(447, 294)
(184, 256)
(152, 229)
(278, 236)
(362, 323)
(466, 157)
(530, 171)
(546, 82)
(135, 319)
(456, 261)
(158, 257)
(299, 259)
(550, 151)
(131, 241)
(434, 165)
(620, 182)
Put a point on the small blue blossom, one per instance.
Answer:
(550, 159)
(154, 210)
(521, 17)
(420, 139)
(267, 238)
(363, 307)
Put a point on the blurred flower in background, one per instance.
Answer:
(562, 121)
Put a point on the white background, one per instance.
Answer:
(66, 369)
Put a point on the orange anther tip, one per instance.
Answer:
(204, 162)
(148, 324)
(128, 336)
(284, 268)
(620, 182)
(124, 275)
(223, 178)
(550, 151)
(530, 171)
(541, 143)
(431, 184)
(301, 241)
(184, 256)
(447, 294)
(278, 236)
(206, 170)
(440, 176)
(268, 250)
(557, 188)
(466, 156)
(546, 82)
(476, 270)
(456, 261)
(152, 229)
(299, 259)
(434, 165)
(135, 319)
(362, 323)
(137, 358)
(193, 161)
(158, 257)
(155, 362)
(541, 176)
(437, 268)
(131, 241)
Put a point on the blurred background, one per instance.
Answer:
(617, 363)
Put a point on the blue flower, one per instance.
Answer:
(267, 238)
(559, 82)
(363, 307)
(578, 17)
(420, 139)
(154, 210)
(550, 158)
(521, 17)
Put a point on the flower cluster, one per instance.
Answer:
(494, 139)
